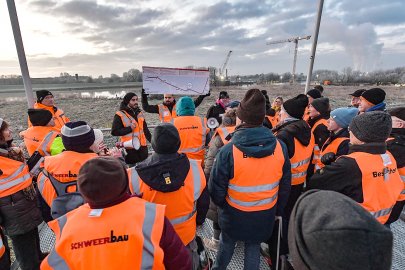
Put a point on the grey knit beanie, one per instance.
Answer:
(328, 230)
(371, 126)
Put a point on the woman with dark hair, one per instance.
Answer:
(19, 214)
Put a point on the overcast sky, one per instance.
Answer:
(106, 36)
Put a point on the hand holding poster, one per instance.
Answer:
(177, 81)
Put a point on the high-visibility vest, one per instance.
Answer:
(39, 138)
(127, 120)
(300, 161)
(124, 236)
(223, 133)
(193, 131)
(58, 116)
(165, 116)
(180, 204)
(255, 184)
(14, 176)
(402, 175)
(2, 248)
(317, 151)
(274, 120)
(331, 146)
(64, 167)
(381, 183)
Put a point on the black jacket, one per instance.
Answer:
(254, 227)
(155, 108)
(118, 129)
(297, 129)
(344, 175)
(177, 165)
(397, 149)
(216, 111)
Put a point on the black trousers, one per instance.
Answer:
(27, 249)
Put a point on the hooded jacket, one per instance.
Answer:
(297, 129)
(118, 129)
(177, 165)
(254, 227)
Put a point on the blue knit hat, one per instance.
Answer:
(77, 136)
(185, 107)
(343, 116)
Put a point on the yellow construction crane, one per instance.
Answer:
(295, 40)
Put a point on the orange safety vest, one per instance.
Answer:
(193, 131)
(64, 167)
(127, 120)
(317, 151)
(254, 187)
(39, 138)
(2, 248)
(333, 147)
(58, 116)
(381, 183)
(224, 132)
(300, 161)
(274, 120)
(180, 204)
(123, 236)
(15, 176)
(165, 115)
(402, 175)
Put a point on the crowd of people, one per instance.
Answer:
(303, 185)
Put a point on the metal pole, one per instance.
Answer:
(314, 43)
(295, 60)
(21, 53)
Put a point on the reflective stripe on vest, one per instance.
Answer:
(165, 116)
(381, 183)
(127, 120)
(223, 133)
(181, 214)
(317, 151)
(15, 176)
(2, 248)
(402, 175)
(331, 147)
(46, 143)
(145, 234)
(253, 187)
(300, 161)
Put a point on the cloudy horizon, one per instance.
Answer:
(104, 37)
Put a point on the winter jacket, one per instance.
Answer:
(118, 129)
(269, 112)
(178, 166)
(216, 111)
(344, 175)
(321, 134)
(297, 129)
(343, 148)
(19, 212)
(378, 107)
(255, 227)
(397, 149)
(155, 108)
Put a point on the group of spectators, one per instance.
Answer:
(306, 186)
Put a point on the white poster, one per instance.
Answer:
(177, 81)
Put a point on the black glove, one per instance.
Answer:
(328, 158)
(207, 95)
(143, 92)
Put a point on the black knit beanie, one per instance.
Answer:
(371, 126)
(252, 108)
(39, 117)
(223, 94)
(41, 94)
(165, 139)
(321, 105)
(374, 96)
(77, 136)
(103, 181)
(398, 112)
(314, 93)
(127, 98)
(295, 107)
(328, 230)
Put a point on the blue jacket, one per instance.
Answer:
(378, 107)
(254, 226)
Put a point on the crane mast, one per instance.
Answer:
(222, 69)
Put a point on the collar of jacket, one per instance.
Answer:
(371, 148)
(312, 121)
(344, 132)
(378, 107)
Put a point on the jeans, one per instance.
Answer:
(27, 250)
(227, 248)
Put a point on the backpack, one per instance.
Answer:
(65, 201)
